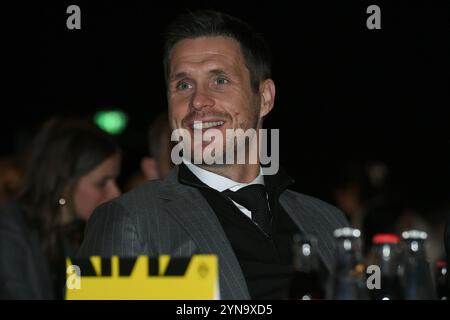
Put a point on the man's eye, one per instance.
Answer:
(183, 86)
(221, 81)
(102, 184)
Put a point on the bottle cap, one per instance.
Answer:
(347, 233)
(441, 264)
(414, 235)
(381, 238)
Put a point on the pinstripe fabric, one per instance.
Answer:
(317, 218)
(166, 217)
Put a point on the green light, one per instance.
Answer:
(113, 122)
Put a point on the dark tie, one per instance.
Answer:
(254, 198)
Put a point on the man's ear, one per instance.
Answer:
(267, 92)
(149, 168)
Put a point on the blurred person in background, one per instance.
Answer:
(158, 163)
(71, 169)
(431, 220)
(364, 193)
(11, 176)
(350, 193)
(447, 240)
(367, 194)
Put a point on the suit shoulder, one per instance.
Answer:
(133, 202)
(310, 200)
(318, 207)
(145, 192)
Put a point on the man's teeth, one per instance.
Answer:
(206, 125)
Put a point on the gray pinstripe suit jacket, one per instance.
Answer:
(167, 217)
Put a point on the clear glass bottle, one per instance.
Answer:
(442, 281)
(386, 254)
(349, 278)
(417, 279)
(307, 283)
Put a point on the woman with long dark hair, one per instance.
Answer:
(72, 168)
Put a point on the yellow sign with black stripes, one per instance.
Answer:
(158, 278)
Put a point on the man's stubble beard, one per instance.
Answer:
(256, 124)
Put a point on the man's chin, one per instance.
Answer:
(203, 157)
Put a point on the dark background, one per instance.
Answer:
(345, 94)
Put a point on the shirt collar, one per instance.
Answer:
(218, 182)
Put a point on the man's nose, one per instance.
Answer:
(201, 99)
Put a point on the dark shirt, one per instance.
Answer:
(266, 260)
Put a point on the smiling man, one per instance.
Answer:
(210, 87)
(218, 78)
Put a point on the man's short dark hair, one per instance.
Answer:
(209, 23)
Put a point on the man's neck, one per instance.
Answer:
(243, 173)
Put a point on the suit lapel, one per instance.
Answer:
(189, 208)
(310, 223)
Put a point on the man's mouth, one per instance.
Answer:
(199, 125)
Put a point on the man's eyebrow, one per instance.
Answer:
(217, 72)
(183, 74)
(178, 76)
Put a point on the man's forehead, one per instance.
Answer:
(204, 50)
(210, 43)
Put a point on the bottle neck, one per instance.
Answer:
(305, 258)
(349, 246)
(348, 253)
(387, 257)
(386, 251)
(415, 247)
